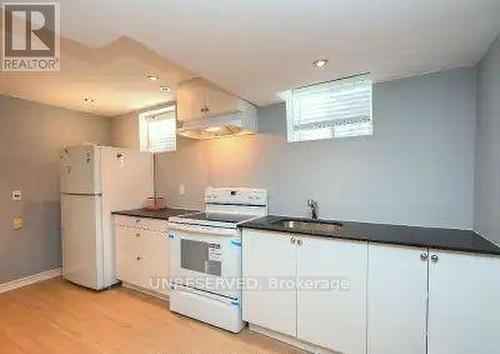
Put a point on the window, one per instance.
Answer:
(158, 130)
(336, 109)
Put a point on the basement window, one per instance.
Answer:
(158, 130)
(336, 109)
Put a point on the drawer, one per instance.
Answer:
(152, 242)
(141, 240)
(141, 223)
(125, 238)
(125, 221)
(134, 268)
(155, 224)
(147, 271)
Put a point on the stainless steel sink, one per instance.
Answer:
(313, 226)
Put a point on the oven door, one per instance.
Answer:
(206, 258)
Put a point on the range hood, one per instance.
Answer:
(231, 124)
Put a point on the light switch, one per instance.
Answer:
(182, 189)
(18, 223)
(17, 195)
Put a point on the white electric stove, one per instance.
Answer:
(205, 256)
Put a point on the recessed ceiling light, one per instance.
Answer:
(164, 88)
(320, 63)
(153, 77)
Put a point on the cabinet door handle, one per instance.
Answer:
(299, 242)
(137, 235)
(138, 258)
(293, 239)
(424, 256)
(435, 258)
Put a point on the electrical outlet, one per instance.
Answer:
(17, 195)
(182, 189)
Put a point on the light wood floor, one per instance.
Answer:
(58, 317)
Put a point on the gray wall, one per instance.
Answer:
(417, 169)
(125, 131)
(30, 135)
(487, 202)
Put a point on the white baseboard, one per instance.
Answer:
(308, 347)
(19, 283)
(163, 297)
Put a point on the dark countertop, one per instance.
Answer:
(439, 238)
(163, 214)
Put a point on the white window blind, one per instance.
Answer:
(161, 132)
(336, 109)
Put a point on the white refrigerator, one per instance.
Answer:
(96, 180)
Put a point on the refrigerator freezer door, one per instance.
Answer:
(80, 170)
(82, 240)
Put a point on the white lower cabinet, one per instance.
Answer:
(321, 299)
(464, 303)
(142, 253)
(397, 299)
(134, 268)
(430, 301)
(389, 299)
(268, 258)
(332, 308)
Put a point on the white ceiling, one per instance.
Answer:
(258, 48)
(114, 75)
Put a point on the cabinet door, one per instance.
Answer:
(198, 98)
(397, 299)
(142, 257)
(220, 102)
(191, 100)
(464, 311)
(133, 268)
(333, 317)
(152, 242)
(269, 257)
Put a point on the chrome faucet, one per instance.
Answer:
(311, 203)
